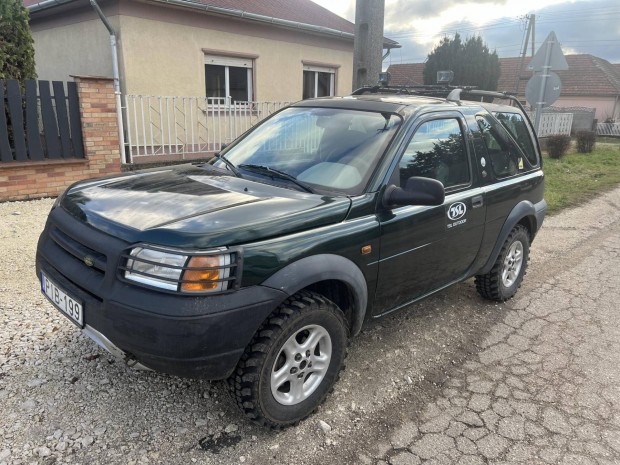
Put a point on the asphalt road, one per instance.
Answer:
(454, 379)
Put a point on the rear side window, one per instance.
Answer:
(504, 155)
(436, 150)
(516, 126)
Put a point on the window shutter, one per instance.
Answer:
(228, 61)
(320, 69)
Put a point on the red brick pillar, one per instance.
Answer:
(48, 178)
(99, 125)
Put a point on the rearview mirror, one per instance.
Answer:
(417, 191)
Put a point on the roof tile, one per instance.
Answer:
(302, 11)
(586, 75)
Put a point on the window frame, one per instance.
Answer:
(507, 138)
(317, 68)
(229, 60)
(514, 138)
(465, 133)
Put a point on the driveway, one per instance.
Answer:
(454, 379)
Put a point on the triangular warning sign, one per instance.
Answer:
(554, 55)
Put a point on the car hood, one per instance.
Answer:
(190, 206)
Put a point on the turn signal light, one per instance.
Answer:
(202, 279)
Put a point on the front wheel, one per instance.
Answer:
(292, 362)
(504, 279)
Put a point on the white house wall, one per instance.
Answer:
(80, 48)
(164, 48)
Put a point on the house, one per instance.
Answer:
(276, 50)
(406, 74)
(589, 82)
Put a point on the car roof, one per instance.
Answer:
(381, 103)
(397, 103)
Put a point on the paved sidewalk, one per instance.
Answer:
(545, 387)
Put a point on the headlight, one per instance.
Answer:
(186, 272)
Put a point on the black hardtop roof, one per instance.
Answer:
(396, 103)
(375, 102)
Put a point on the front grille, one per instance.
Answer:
(90, 257)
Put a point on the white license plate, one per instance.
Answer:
(62, 301)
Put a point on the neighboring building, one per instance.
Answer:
(406, 74)
(276, 50)
(590, 82)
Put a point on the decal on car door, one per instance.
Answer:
(456, 214)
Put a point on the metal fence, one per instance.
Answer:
(157, 125)
(608, 129)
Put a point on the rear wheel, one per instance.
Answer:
(292, 362)
(504, 279)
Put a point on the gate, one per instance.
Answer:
(608, 129)
(555, 123)
(38, 124)
(199, 126)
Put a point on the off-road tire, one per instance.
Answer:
(490, 285)
(250, 383)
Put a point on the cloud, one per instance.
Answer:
(399, 11)
(582, 27)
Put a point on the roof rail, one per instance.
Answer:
(433, 90)
(495, 94)
(450, 93)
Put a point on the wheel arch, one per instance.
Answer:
(524, 213)
(333, 276)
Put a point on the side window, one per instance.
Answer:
(436, 150)
(504, 155)
(516, 126)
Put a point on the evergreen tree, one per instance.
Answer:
(472, 62)
(16, 44)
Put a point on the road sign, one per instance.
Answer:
(549, 55)
(553, 87)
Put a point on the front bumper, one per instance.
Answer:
(189, 336)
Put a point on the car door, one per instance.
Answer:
(424, 248)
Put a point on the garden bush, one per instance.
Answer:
(557, 145)
(586, 140)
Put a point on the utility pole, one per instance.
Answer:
(531, 26)
(368, 42)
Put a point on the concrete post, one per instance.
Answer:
(368, 44)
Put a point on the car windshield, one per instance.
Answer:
(324, 149)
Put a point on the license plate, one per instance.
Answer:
(71, 307)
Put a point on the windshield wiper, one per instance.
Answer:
(274, 173)
(228, 163)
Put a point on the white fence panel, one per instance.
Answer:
(608, 129)
(555, 123)
(158, 125)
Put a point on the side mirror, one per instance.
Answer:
(417, 191)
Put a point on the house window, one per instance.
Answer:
(318, 81)
(228, 79)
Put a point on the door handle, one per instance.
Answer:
(477, 201)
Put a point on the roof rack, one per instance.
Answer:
(433, 90)
(450, 93)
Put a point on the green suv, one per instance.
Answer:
(259, 265)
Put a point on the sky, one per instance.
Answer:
(586, 26)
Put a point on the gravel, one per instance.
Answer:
(64, 400)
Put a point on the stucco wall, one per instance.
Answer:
(82, 48)
(163, 53)
(604, 105)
